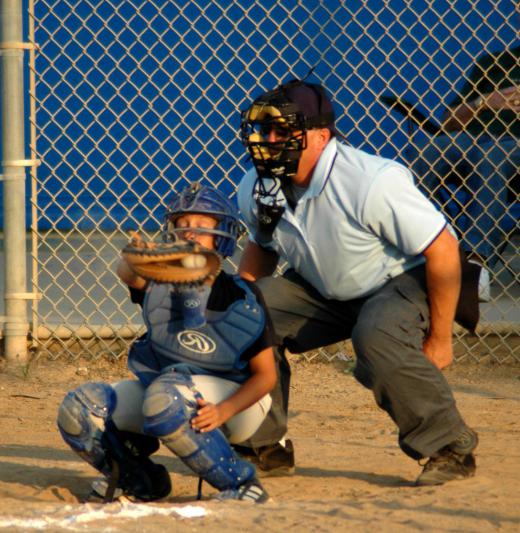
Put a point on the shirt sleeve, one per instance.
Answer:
(137, 296)
(245, 204)
(398, 212)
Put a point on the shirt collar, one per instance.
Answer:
(322, 169)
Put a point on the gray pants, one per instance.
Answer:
(387, 330)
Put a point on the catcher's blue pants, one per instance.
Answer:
(387, 330)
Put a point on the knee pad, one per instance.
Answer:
(165, 409)
(78, 412)
(167, 416)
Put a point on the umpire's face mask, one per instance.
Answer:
(275, 138)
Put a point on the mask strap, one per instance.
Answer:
(194, 302)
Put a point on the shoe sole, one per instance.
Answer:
(436, 482)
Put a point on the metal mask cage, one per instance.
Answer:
(255, 133)
(263, 116)
(226, 231)
(278, 157)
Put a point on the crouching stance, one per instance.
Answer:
(205, 369)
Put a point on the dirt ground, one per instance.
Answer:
(350, 473)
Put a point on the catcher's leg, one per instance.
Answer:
(215, 390)
(86, 423)
(81, 421)
(167, 416)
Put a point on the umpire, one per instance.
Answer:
(370, 259)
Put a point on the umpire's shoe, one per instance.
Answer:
(273, 460)
(454, 461)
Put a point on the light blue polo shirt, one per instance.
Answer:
(360, 223)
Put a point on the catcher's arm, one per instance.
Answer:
(125, 272)
(128, 276)
(262, 381)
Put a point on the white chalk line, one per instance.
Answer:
(89, 513)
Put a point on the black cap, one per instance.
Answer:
(312, 102)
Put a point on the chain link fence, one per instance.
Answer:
(134, 99)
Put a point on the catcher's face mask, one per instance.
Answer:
(195, 227)
(197, 199)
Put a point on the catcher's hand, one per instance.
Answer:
(182, 262)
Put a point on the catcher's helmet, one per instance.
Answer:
(291, 109)
(201, 199)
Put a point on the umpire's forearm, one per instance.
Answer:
(443, 279)
(256, 262)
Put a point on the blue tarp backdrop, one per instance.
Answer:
(130, 100)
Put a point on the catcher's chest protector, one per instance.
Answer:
(215, 346)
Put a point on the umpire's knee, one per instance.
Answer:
(378, 352)
(362, 339)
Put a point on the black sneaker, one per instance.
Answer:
(150, 483)
(251, 491)
(99, 491)
(454, 461)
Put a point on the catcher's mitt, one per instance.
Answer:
(182, 262)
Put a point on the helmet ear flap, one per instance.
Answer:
(230, 232)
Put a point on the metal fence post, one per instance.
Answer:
(13, 163)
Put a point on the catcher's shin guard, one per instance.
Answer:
(81, 421)
(167, 416)
(123, 457)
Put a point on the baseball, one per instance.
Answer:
(193, 261)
